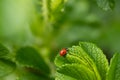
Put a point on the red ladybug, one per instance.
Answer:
(63, 52)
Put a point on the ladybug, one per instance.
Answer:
(63, 52)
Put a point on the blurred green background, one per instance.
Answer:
(53, 25)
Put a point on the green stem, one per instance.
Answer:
(45, 12)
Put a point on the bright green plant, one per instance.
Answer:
(87, 62)
(26, 64)
(42, 24)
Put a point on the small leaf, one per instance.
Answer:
(79, 72)
(3, 51)
(97, 56)
(6, 67)
(114, 70)
(106, 4)
(29, 57)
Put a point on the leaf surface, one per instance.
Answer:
(114, 70)
(3, 51)
(77, 71)
(60, 76)
(6, 67)
(87, 55)
(97, 56)
(29, 57)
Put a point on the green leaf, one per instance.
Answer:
(69, 59)
(79, 72)
(106, 4)
(97, 56)
(60, 76)
(3, 51)
(29, 57)
(114, 70)
(87, 55)
(79, 52)
(25, 75)
(6, 67)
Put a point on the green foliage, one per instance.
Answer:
(114, 70)
(63, 77)
(106, 4)
(49, 25)
(86, 62)
(56, 5)
(98, 57)
(3, 51)
(77, 71)
(29, 57)
(27, 65)
(6, 67)
(27, 75)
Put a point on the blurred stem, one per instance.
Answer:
(47, 27)
(45, 11)
(46, 17)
